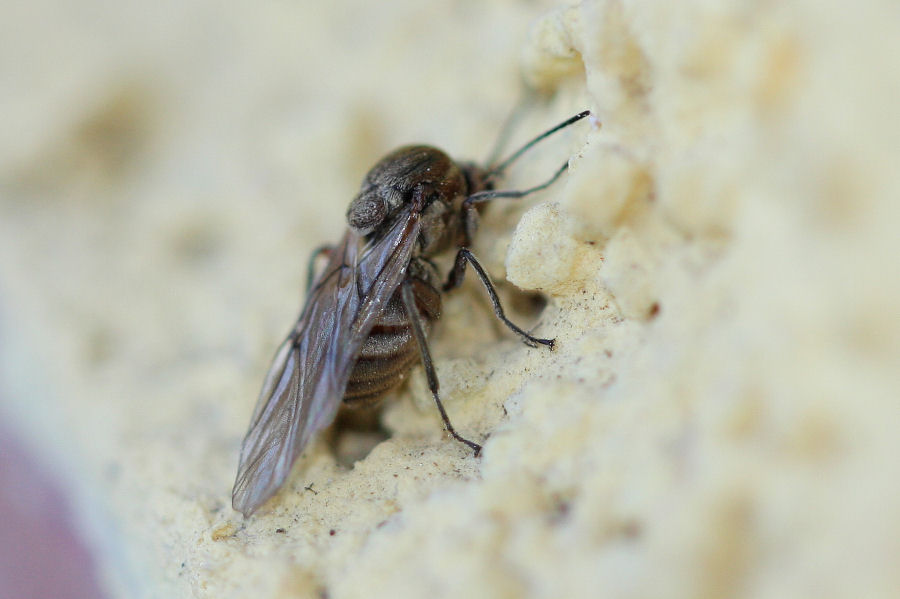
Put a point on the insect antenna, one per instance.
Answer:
(468, 205)
(512, 119)
(495, 171)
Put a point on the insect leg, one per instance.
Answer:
(486, 196)
(470, 215)
(456, 277)
(311, 265)
(415, 319)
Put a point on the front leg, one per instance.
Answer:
(470, 213)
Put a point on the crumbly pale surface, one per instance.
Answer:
(719, 418)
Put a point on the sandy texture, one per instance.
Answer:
(719, 418)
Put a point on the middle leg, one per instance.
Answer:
(456, 277)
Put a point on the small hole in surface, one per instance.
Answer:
(355, 433)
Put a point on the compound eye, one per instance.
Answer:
(366, 212)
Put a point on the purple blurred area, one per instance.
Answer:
(41, 554)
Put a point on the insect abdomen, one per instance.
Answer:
(390, 350)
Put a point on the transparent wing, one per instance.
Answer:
(303, 389)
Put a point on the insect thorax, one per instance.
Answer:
(394, 182)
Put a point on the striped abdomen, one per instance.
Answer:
(391, 350)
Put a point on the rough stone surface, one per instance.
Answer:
(718, 418)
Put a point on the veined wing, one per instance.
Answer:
(306, 382)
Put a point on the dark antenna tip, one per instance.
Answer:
(497, 170)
